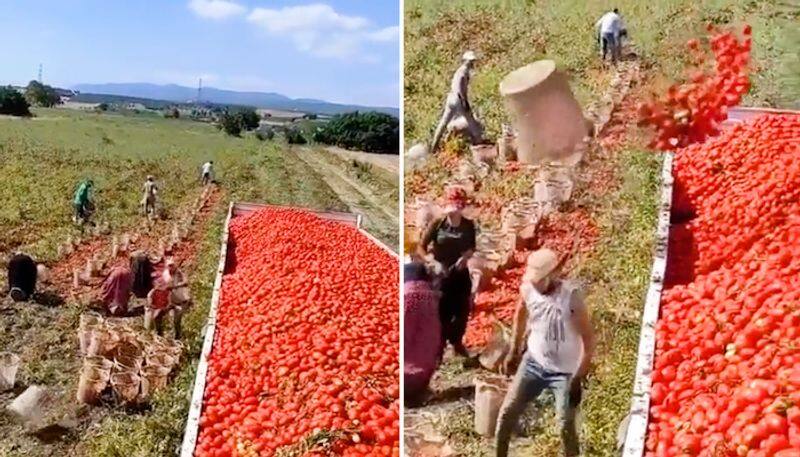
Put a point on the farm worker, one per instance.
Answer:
(150, 191)
(609, 32)
(142, 270)
(124, 280)
(422, 341)
(22, 275)
(560, 345)
(207, 175)
(448, 243)
(170, 295)
(116, 290)
(82, 200)
(457, 104)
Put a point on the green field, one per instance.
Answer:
(508, 34)
(42, 160)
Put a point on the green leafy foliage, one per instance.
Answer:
(265, 134)
(172, 113)
(13, 103)
(369, 132)
(244, 119)
(295, 136)
(39, 94)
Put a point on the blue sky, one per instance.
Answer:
(337, 50)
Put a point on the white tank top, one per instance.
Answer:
(554, 341)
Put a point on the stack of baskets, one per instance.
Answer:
(133, 364)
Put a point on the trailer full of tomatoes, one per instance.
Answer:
(726, 377)
(692, 111)
(305, 359)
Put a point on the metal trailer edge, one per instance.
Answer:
(640, 404)
(196, 403)
(638, 416)
(237, 209)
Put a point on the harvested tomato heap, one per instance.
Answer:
(306, 346)
(692, 111)
(726, 380)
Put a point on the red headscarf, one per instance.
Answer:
(457, 197)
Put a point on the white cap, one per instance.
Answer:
(469, 55)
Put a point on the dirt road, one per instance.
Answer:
(388, 162)
(380, 211)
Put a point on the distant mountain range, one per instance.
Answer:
(182, 94)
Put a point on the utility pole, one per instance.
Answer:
(199, 90)
(40, 73)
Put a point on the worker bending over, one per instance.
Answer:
(610, 30)
(559, 348)
(457, 104)
(149, 198)
(82, 201)
(124, 280)
(422, 341)
(448, 243)
(207, 173)
(23, 274)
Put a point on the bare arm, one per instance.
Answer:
(427, 237)
(517, 335)
(180, 281)
(518, 329)
(584, 324)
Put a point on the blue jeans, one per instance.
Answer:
(611, 43)
(531, 379)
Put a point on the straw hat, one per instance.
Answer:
(469, 56)
(541, 263)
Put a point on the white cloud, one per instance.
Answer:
(216, 9)
(386, 34)
(321, 31)
(315, 17)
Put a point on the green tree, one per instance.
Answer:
(13, 103)
(370, 132)
(265, 134)
(295, 136)
(244, 119)
(41, 94)
(231, 124)
(249, 119)
(172, 113)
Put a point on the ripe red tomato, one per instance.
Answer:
(307, 340)
(725, 367)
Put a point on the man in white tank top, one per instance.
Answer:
(558, 352)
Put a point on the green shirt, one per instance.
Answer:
(82, 194)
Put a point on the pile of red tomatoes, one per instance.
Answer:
(305, 355)
(692, 111)
(726, 378)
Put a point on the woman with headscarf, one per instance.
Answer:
(450, 242)
(124, 280)
(422, 339)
